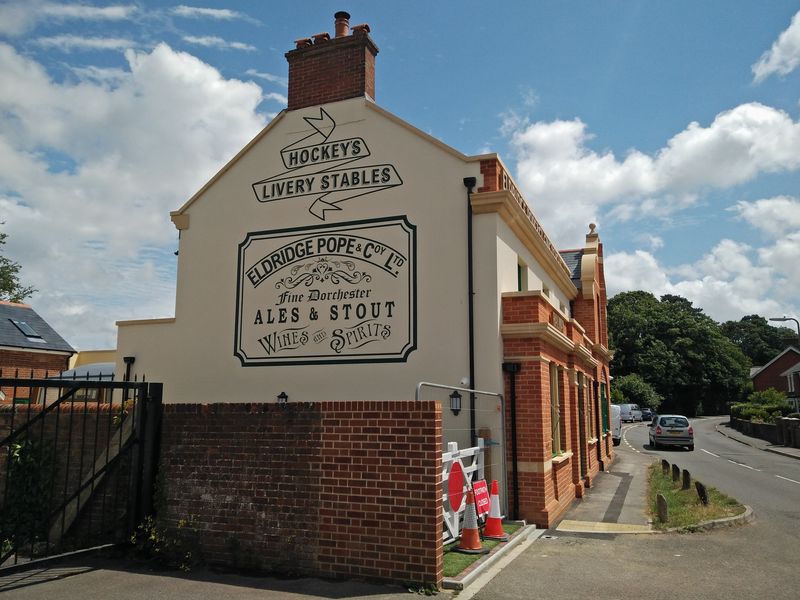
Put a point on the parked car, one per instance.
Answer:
(630, 413)
(647, 414)
(671, 430)
(616, 425)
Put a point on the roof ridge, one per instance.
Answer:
(10, 303)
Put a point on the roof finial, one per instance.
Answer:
(592, 227)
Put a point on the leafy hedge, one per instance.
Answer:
(762, 407)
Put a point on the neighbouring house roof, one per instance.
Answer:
(21, 327)
(573, 260)
(754, 370)
(789, 349)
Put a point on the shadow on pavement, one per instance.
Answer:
(118, 575)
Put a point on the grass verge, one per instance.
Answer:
(455, 563)
(683, 506)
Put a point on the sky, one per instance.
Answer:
(674, 126)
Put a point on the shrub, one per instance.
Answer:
(767, 409)
(768, 396)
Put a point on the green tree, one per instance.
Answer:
(759, 340)
(10, 287)
(636, 390)
(678, 350)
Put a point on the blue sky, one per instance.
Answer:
(674, 126)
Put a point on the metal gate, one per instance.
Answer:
(77, 464)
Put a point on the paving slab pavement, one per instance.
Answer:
(616, 502)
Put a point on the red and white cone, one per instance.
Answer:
(470, 536)
(494, 522)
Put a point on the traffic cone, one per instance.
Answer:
(494, 522)
(470, 536)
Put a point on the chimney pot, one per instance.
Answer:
(342, 23)
(324, 69)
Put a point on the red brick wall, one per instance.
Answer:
(545, 496)
(334, 489)
(23, 363)
(332, 70)
(770, 377)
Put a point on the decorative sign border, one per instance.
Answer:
(255, 273)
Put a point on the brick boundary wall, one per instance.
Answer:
(332, 489)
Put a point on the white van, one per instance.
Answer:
(616, 424)
(630, 413)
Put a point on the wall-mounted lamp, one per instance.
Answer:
(283, 398)
(455, 403)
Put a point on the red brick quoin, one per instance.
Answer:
(332, 489)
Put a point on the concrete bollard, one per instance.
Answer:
(701, 492)
(676, 473)
(687, 480)
(661, 504)
(664, 467)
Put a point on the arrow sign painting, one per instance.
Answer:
(315, 166)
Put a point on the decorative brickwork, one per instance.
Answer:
(333, 489)
(548, 482)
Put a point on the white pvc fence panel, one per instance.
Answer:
(471, 461)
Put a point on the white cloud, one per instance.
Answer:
(20, 16)
(555, 164)
(73, 161)
(67, 43)
(282, 81)
(280, 98)
(211, 41)
(772, 216)
(87, 12)
(784, 55)
(730, 281)
(194, 12)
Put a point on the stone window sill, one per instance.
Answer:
(563, 457)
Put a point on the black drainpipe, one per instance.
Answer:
(469, 183)
(512, 369)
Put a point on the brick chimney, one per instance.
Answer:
(324, 70)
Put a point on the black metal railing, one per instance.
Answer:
(77, 463)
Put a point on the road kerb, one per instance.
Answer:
(485, 569)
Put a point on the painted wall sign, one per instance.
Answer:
(341, 293)
(333, 170)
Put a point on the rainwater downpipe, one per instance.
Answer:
(512, 369)
(469, 183)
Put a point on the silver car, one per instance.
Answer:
(671, 430)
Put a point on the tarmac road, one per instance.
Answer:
(752, 561)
